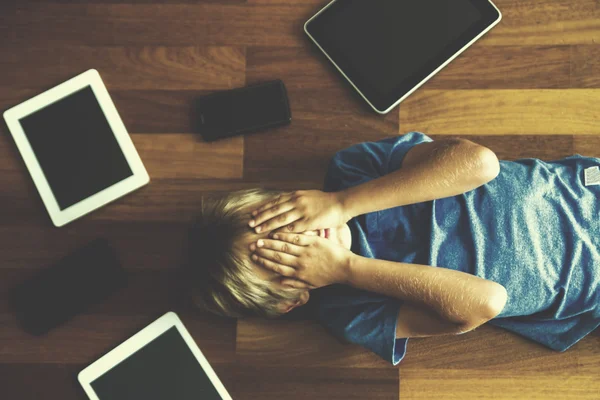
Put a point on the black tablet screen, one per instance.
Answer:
(385, 43)
(75, 147)
(163, 369)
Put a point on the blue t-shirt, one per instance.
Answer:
(535, 229)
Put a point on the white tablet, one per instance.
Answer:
(160, 362)
(76, 147)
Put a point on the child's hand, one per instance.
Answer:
(310, 259)
(301, 211)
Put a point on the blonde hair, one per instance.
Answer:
(222, 279)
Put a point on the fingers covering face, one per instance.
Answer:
(279, 246)
(281, 269)
(277, 256)
(295, 238)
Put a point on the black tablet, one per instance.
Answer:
(388, 48)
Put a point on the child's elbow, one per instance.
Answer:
(497, 301)
(490, 165)
(494, 305)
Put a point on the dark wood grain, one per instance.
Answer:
(527, 89)
(123, 68)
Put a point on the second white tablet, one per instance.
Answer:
(76, 147)
(161, 362)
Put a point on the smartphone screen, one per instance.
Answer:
(239, 111)
(68, 287)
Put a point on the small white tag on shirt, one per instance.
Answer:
(592, 176)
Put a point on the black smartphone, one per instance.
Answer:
(245, 110)
(67, 288)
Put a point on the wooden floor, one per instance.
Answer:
(529, 88)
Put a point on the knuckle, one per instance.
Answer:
(276, 208)
(281, 218)
(285, 248)
(290, 227)
(296, 239)
(277, 256)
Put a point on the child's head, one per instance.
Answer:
(224, 280)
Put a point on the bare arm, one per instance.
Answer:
(433, 170)
(459, 301)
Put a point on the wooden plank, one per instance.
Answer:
(87, 337)
(142, 111)
(123, 68)
(185, 156)
(587, 145)
(262, 23)
(300, 343)
(514, 147)
(480, 67)
(292, 156)
(546, 22)
(508, 112)
(174, 200)
(296, 383)
(243, 383)
(148, 293)
(286, 158)
(494, 349)
(142, 245)
(158, 24)
(159, 111)
(56, 380)
(416, 384)
(585, 66)
(305, 148)
(182, 156)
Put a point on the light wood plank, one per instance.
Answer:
(509, 112)
(426, 384)
(546, 22)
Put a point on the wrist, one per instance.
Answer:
(345, 203)
(348, 268)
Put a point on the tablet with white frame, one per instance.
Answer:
(387, 49)
(76, 147)
(160, 362)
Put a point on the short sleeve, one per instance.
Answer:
(363, 162)
(361, 317)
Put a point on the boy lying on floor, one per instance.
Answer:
(411, 238)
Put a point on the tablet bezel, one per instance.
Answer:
(138, 179)
(383, 104)
(138, 341)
